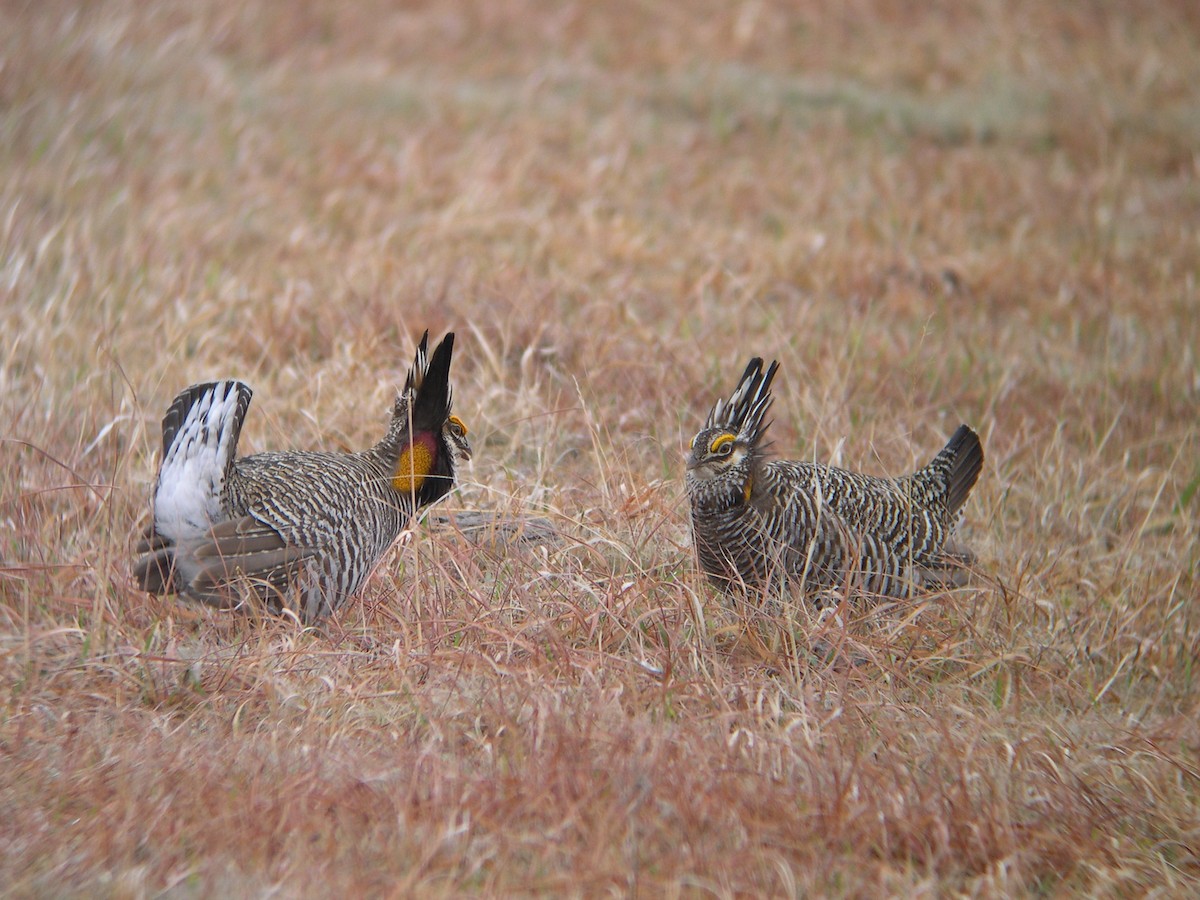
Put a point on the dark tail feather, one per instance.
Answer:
(961, 460)
(431, 405)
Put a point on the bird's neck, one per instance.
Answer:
(414, 463)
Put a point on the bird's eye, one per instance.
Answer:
(722, 445)
(457, 428)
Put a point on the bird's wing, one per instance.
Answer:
(244, 550)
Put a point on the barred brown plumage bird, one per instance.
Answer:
(770, 524)
(297, 530)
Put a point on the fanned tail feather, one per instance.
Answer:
(200, 437)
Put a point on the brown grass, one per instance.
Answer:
(929, 213)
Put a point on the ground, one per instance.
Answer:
(929, 213)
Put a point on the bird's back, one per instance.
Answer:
(318, 500)
(336, 513)
(892, 529)
(901, 514)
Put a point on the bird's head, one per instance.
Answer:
(714, 452)
(722, 456)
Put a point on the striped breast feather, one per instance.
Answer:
(200, 436)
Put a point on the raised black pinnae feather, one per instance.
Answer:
(746, 407)
(416, 374)
(431, 405)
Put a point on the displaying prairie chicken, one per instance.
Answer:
(769, 524)
(297, 530)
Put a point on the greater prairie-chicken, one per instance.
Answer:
(297, 530)
(760, 524)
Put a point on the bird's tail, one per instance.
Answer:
(200, 437)
(747, 406)
(957, 467)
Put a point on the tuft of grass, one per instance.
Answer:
(972, 214)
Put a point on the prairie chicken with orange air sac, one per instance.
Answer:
(298, 530)
(766, 524)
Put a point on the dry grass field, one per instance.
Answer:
(930, 213)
